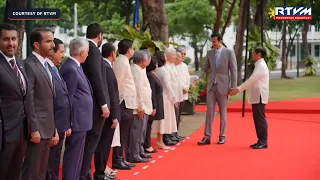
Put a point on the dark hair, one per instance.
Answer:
(93, 30)
(217, 35)
(161, 58)
(124, 45)
(153, 64)
(260, 50)
(107, 49)
(56, 42)
(7, 26)
(36, 35)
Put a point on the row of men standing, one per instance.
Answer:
(40, 107)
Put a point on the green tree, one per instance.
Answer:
(190, 19)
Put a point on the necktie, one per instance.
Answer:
(56, 71)
(16, 71)
(46, 65)
(217, 58)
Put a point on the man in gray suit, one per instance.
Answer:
(42, 93)
(221, 69)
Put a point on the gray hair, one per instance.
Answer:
(77, 45)
(148, 53)
(181, 48)
(139, 56)
(170, 51)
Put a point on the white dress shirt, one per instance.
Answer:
(22, 77)
(183, 70)
(126, 86)
(143, 88)
(43, 61)
(258, 83)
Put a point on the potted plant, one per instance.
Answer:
(310, 69)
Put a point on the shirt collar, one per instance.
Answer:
(257, 62)
(75, 60)
(7, 58)
(137, 66)
(50, 62)
(39, 57)
(108, 61)
(220, 49)
(93, 42)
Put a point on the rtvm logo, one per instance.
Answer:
(291, 13)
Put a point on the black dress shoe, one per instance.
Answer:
(169, 142)
(120, 165)
(109, 176)
(174, 138)
(222, 140)
(204, 141)
(129, 164)
(144, 155)
(139, 160)
(260, 146)
(252, 145)
(105, 177)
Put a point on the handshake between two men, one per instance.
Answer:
(232, 92)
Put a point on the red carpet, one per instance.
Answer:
(310, 106)
(293, 152)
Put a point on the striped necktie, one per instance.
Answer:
(16, 71)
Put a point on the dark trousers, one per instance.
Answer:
(101, 156)
(73, 155)
(35, 163)
(260, 122)
(54, 159)
(137, 136)
(11, 158)
(91, 143)
(179, 110)
(147, 141)
(125, 126)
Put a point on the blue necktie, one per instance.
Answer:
(56, 71)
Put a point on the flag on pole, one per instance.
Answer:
(136, 16)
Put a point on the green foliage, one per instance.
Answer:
(272, 51)
(141, 40)
(187, 60)
(310, 70)
(2, 9)
(188, 17)
(110, 14)
(194, 90)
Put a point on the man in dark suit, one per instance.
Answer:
(16, 110)
(42, 95)
(102, 152)
(80, 96)
(92, 68)
(62, 109)
(2, 134)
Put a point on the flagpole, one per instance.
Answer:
(246, 58)
(136, 16)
